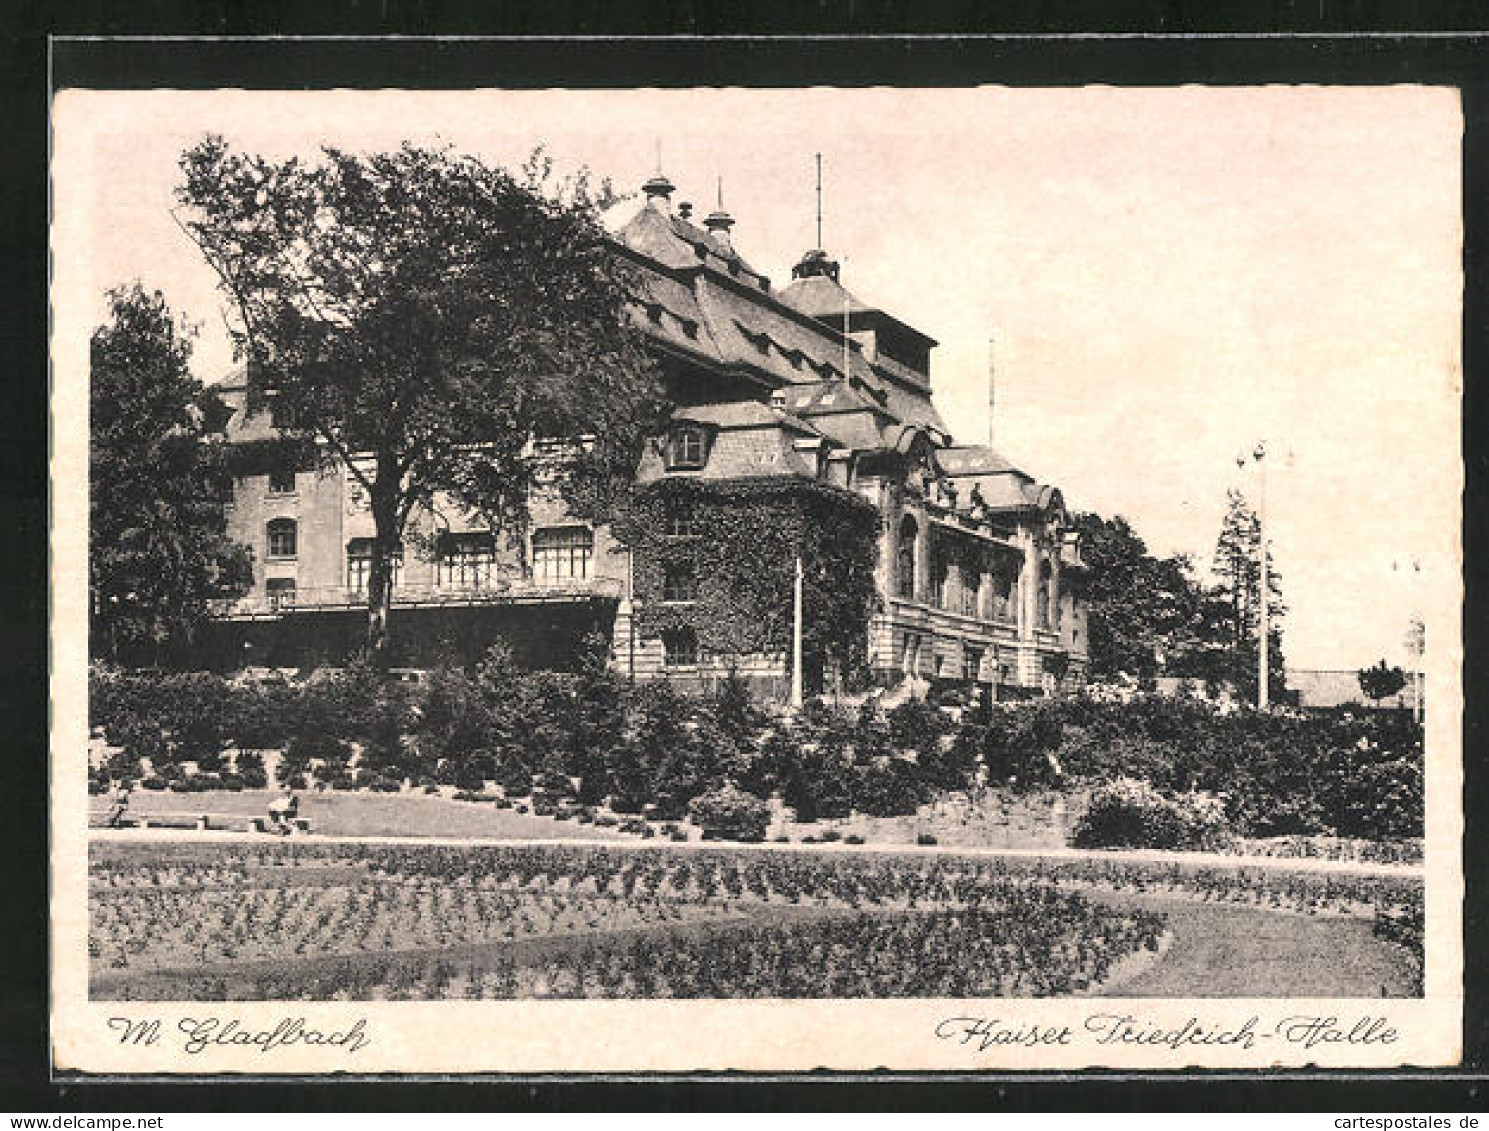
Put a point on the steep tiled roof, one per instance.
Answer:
(750, 440)
(742, 323)
(972, 459)
(744, 414)
(681, 244)
(914, 408)
(1009, 490)
(822, 296)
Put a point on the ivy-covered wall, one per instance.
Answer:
(740, 539)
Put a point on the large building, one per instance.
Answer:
(975, 570)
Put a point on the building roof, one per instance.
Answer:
(744, 414)
(822, 296)
(816, 289)
(742, 323)
(750, 441)
(972, 459)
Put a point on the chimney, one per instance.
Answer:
(658, 191)
(685, 209)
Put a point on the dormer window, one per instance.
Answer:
(687, 446)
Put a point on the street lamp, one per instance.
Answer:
(1258, 455)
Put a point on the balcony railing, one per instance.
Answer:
(321, 598)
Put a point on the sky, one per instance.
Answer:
(1167, 277)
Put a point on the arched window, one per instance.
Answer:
(905, 557)
(562, 553)
(283, 538)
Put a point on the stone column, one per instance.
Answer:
(1028, 658)
(1054, 594)
(923, 558)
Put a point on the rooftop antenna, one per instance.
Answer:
(992, 389)
(847, 354)
(721, 194)
(819, 200)
(659, 156)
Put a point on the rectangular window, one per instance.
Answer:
(466, 561)
(281, 592)
(681, 647)
(967, 592)
(563, 553)
(940, 572)
(283, 538)
(359, 564)
(687, 447)
(679, 583)
(972, 662)
(281, 482)
(681, 522)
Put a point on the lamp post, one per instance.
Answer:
(1416, 636)
(1263, 692)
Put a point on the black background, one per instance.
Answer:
(1154, 44)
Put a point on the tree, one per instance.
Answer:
(429, 321)
(1238, 585)
(1144, 612)
(159, 487)
(1381, 681)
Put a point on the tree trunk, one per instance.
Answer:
(380, 573)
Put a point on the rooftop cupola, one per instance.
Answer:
(718, 222)
(658, 191)
(814, 264)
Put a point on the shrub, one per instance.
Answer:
(887, 787)
(250, 768)
(141, 737)
(1133, 814)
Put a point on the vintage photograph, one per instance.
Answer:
(766, 548)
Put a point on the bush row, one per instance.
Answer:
(592, 737)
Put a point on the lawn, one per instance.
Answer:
(373, 814)
(1220, 951)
